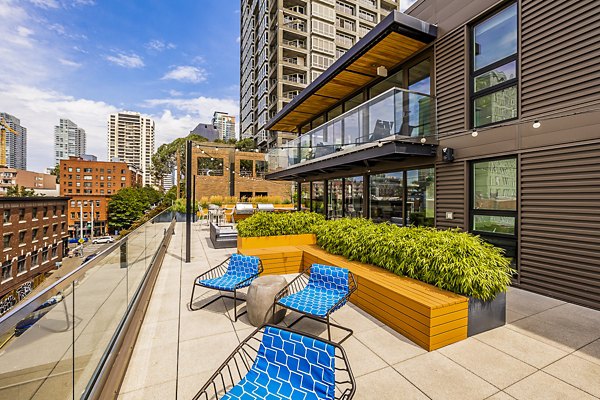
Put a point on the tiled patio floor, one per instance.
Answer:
(549, 350)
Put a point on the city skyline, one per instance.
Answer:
(100, 68)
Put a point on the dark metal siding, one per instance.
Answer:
(450, 81)
(560, 223)
(559, 56)
(450, 194)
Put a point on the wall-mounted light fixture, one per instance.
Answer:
(423, 140)
(474, 133)
(536, 124)
(382, 71)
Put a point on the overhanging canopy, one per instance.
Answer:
(389, 44)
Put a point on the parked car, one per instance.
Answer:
(88, 258)
(103, 239)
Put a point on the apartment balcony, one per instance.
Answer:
(293, 63)
(294, 45)
(394, 116)
(294, 79)
(294, 25)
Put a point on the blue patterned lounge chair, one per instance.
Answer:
(276, 363)
(235, 273)
(316, 293)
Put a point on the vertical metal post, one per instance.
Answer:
(188, 200)
(194, 211)
(92, 222)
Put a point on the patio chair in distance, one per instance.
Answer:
(279, 363)
(235, 273)
(316, 293)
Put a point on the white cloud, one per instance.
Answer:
(69, 63)
(186, 73)
(45, 3)
(126, 60)
(159, 45)
(24, 32)
(175, 93)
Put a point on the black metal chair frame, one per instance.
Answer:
(217, 272)
(298, 284)
(240, 361)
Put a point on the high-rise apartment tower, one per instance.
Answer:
(286, 44)
(131, 139)
(69, 140)
(225, 124)
(16, 145)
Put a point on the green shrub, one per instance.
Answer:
(449, 259)
(275, 224)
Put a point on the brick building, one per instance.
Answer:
(90, 184)
(34, 238)
(213, 164)
(40, 182)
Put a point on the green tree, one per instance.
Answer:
(56, 172)
(129, 204)
(245, 144)
(20, 191)
(165, 158)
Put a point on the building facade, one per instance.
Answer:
(40, 182)
(131, 140)
(16, 144)
(286, 45)
(35, 238)
(69, 140)
(207, 131)
(225, 124)
(90, 184)
(221, 170)
(486, 121)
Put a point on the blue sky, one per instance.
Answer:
(176, 60)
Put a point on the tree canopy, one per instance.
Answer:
(56, 172)
(20, 191)
(129, 204)
(165, 158)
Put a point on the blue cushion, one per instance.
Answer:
(288, 366)
(326, 286)
(239, 269)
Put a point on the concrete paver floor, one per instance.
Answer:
(548, 350)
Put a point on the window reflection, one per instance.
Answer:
(335, 198)
(386, 192)
(495, 185)
(318, 197)
(305, 196)
(354, 197)
(420, 199)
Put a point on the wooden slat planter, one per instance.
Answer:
(263, 242)
(429, 316)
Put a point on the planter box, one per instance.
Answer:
(486, 315)
(275, 241)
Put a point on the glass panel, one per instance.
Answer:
(354, 197)
(353, 102)
(305, 147)
(318, 197)
(496, 76)
(419, 77)
(351, 128)
(320, 120)
(386, 197)
(381, 118)
(335, 198)
(494, 224)
(495, 185)
(495, 107)
(420, 117)
(495, 38)
(305, 195)
(394, 80)
(246, 167)
(210, 166)
(420, 200)
(336, 112)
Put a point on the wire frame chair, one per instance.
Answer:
(268, 361)
(316, 293)
(233, 274)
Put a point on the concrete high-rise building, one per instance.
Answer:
(69, 140)
(131, 140)
(286, 44)
(16, 145)
(225, 124)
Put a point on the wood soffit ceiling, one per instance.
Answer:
(390, 51)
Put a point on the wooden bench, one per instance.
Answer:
(429, 316)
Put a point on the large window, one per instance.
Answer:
(318, 197)
(386, 195)
(353, 197)
(246, 167)
(494, 68)
(210, 166)
(305, 195)
(494, 202)
(420, 197)
(334, 207)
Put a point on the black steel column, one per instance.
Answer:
(299, 200)
(188, 200)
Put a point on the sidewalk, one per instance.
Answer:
(548, 350)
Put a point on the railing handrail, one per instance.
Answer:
(28, 305)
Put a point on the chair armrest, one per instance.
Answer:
(215, 272)
(295, 286)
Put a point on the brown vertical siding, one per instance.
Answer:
(450, 71)
(560, 221)
(450, 194)
(559, 57)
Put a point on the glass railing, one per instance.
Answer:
(396, 114)
(54, 343)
